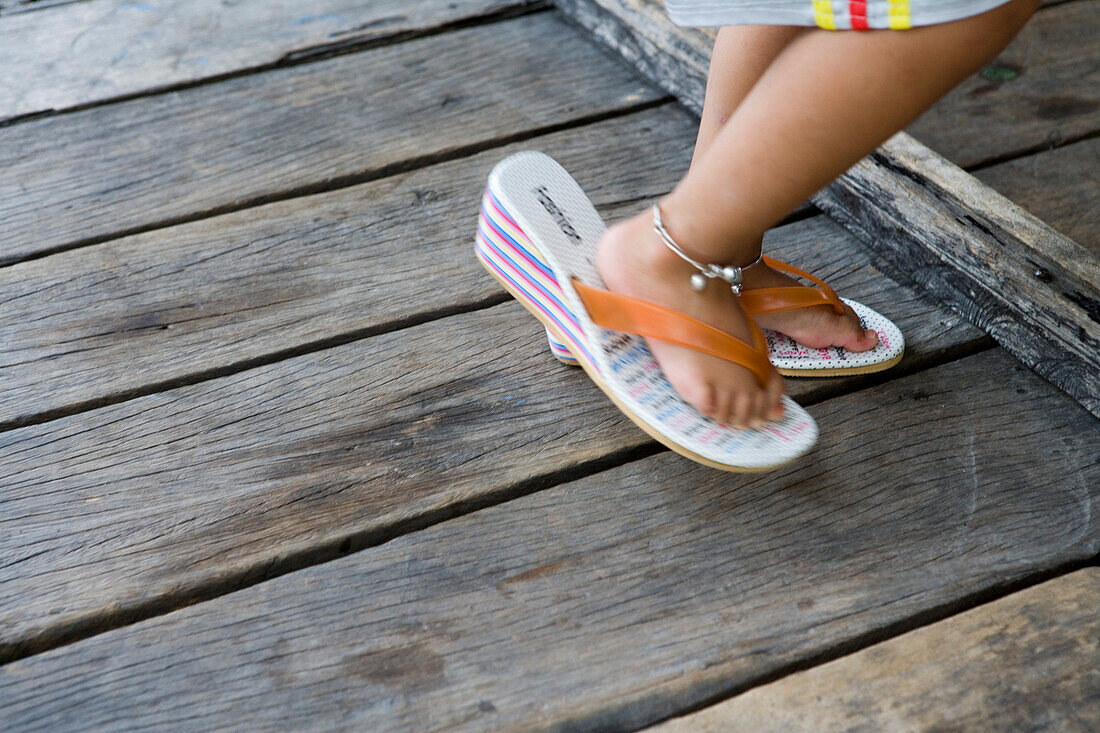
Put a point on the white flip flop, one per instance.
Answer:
(537, 235)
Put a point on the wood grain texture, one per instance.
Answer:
(929, 222)
(224, 479)
(1030, 661)
(187, 301)
(162, 159)
(23, 6)
(1060, 186)
(613, 601)
(185, 492)
(226, 290)
(1043, 90)
(1034, 290)
(674, 57)
(98, 50)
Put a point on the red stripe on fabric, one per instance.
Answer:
(857, 9)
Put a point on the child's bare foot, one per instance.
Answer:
(633, 261)
(816, 327)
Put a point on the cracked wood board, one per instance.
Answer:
(1060, 186)
(1034, 290)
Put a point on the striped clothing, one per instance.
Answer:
(829, 14)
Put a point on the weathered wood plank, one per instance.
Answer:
(184, 492)
(1034, 290)
(232, 289)
(609, 602)
(22, 6)
(929, 222)
(296, 130)
(99, 50)
(675, 58)
(191, 300)
(1030, 661)
(229, 478)
(1042, 90)
(1060, 186)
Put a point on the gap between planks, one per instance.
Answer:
(1016, 156)
(808, 392)
(1028, 661)
(339, 180)
(293, 57)
(334, 124)
(1044, 540)
(346, 181)
(877, 636)
(366, 541)
(398, 324)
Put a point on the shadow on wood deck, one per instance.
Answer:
(276, 453)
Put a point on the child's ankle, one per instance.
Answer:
(737, 253)
(634, 240)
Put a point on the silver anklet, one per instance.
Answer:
(729, 273)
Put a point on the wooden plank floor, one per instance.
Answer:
(1039, 645)
(296, 130)
(275, 452)
(100, 50)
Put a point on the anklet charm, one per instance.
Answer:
(729, 273)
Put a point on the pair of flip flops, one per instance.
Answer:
(537, 235)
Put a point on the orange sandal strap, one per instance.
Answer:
(642, 318)
(770, 300)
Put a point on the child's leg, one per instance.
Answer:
(741, 55)
(827, 100)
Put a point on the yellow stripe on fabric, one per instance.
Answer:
(823, 14)
(898, 14)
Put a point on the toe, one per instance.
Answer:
(863, 339)
(756, 409)
(854, 336)
(725, 408)
(705, 399)
(774, 392)
(742, 408)
(698, 393)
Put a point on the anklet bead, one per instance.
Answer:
(732, 274)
